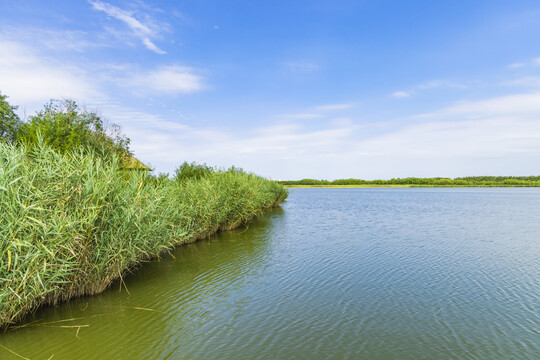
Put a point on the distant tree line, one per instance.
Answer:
(413, 181)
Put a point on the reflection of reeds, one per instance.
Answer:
(71, 224)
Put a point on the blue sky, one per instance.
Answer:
(293, 89)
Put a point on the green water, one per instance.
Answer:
(332, 274)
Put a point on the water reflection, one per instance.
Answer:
(164, 302)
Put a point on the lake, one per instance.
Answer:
(366, 273)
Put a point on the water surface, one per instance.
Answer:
(334, 274)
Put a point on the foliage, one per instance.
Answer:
(464, 181)
(71, 223)
(9, 120)
(64, 126)
(192, 171)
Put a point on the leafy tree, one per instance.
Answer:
(9, 121)
(64, 126)
(192, 171)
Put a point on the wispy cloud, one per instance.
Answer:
(527, 81)
(267, 151)
(317, 112)
(515, 105)
(51, 39)
(331, 107)
(31, 79)
(439, 84)
(498, 135)
(144, 30)
(488, 135)
(516, 65)
(166, 80)
(527, 63)
(401, 94)
(433, 84)
(302, 116)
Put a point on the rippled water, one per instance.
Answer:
(333, 274)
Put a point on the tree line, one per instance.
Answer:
(414, 181)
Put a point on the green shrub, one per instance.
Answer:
(192, 171)
(9, 120)
(64, 126)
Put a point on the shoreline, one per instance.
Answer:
(75, 224)
(99, 288)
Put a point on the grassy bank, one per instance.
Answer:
(71, 224)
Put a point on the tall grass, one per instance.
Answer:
(71, 224)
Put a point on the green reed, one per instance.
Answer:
(71, 224)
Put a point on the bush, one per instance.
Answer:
(9, 120)
(65, 127)
(192, 170)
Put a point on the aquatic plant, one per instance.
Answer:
(72, 223)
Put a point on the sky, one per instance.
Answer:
(292, 89)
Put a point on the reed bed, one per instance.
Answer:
(71, 224)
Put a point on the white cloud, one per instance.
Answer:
(265, 150)
(30, 78)
(529, 63)
(167, 79)
(494, 136)
(51, 39)
(469, 138)
(440, 83)
(527, 81)
(433, 84)
(516, 65)
(518, 104)
(309, 114)
(144, 31)
(301, 116)
(480, 138)
(401, 94)
(151, 46)
(331, 107)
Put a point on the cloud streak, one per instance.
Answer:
(170, 80)
(302, 116)
(401, 94)
(332, 107)
(143, 31)
(433, 84)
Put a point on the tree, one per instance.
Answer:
(64, 126)
(9, 120)
(192, 171)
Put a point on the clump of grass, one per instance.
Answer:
(72, 223)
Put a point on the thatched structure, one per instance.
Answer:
(132, 163)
